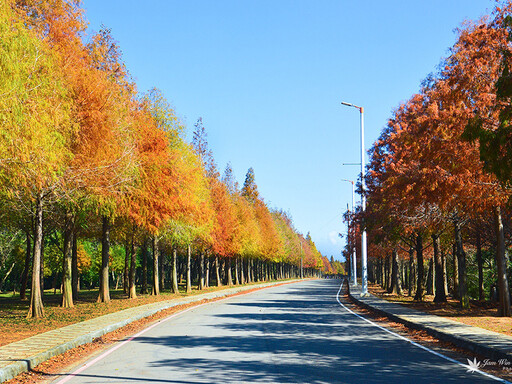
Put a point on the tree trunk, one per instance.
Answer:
(36, 309)
(389, 273)
(201, 271)
(161, 272)
(419, 260)
(445, 275)
(116, 278)
(480, 263)
(237, 280)
(180, 269)
(133, 266)
(174, 272)
(455, 272)
(385, 262)
(189, 274)
(126, 272)
(389, 268)
(382, 267)
(75, 280)
(104, 294)
(249, 275)
(24, 275)
(242, 275)
(207, 272)
(228, 271)
(217, 272)
(383, 271)
(461, 258)
(156, 287)
(430, 277)
(144, 285)
(396, 284)
(2, 282)
(404, 275)
(67, 281)
(42, 262)
(501, 262)
(412, 271)
(440, 293)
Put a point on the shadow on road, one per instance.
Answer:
(301, 335)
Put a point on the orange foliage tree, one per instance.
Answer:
(423, 169)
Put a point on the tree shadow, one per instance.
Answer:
(307, 338)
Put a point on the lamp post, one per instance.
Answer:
(354, 260)
(364, 271)
(301, 271)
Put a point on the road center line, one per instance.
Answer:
(416, 344)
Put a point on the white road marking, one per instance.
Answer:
(69, 376)
(416, 344)
(105, 354)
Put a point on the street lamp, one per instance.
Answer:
(354, 262)
(364, 274)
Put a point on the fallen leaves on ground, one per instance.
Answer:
(480, 314)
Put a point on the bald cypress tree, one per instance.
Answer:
(250, 189)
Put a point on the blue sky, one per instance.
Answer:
(267, 77)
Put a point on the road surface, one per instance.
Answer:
(295, 333)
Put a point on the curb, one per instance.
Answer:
(21, 365)
(461, 342)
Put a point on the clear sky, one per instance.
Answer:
(268, 76)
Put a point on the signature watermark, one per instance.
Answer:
(475, 365)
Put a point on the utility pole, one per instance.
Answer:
(364, 268)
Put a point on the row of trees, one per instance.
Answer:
(438, 181)
(84, 156)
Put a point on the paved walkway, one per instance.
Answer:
(24, 355)
(490, 344)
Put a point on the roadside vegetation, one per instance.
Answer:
(101, 196)
(439, 179)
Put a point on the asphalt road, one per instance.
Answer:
(296, 333)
